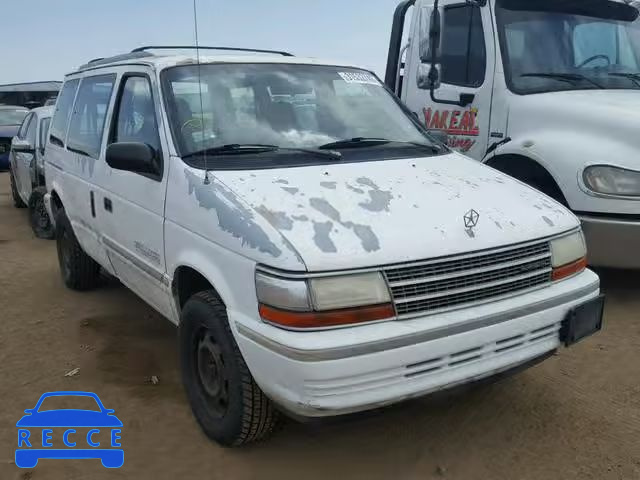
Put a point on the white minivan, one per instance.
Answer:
(320, 253)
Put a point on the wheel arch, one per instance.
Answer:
(529, 171)
(187, 281)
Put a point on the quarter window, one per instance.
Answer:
(62, 114)
(136, 116)
(89, 112)
(463, 56)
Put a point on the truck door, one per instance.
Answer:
(467, 60)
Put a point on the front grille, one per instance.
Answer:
(427, 287)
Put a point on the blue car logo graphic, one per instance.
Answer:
(35, 433)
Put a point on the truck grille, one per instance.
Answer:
(426, 287)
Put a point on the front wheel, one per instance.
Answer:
(38, 216)
(79, 271)
(226, 401)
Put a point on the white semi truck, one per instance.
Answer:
(546, 91)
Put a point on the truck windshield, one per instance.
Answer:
(272, 109)
(553, 45)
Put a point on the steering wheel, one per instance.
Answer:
(191, 125)
(595, 57)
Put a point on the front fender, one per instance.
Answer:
(231, 275)
(565, 153)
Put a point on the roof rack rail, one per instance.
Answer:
(193, 47)
(116, 58)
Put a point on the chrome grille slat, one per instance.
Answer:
(478, 286)
(463, 273)
(440, 285)
(464, 263)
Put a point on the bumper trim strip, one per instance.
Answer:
(408, 340)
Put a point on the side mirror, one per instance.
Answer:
(132, 157)
(23, 146)
(428, 75)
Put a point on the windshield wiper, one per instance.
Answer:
(362, 142)
(233, 149)
(356, 142)
(566, 77)
(634, 77)
(251, 148)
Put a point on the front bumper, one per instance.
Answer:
(612, 242)
(316, 374)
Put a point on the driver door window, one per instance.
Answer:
(135, 119)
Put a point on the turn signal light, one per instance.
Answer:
(331, 318)
(569, 269)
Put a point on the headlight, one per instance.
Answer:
(568, 255)
(612, 180)
(324, 301)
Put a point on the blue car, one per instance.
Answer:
(33, 445)
(10, 120)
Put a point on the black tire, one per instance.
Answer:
(79, 271)
(38, 216)
(17, 201)
(226, 401)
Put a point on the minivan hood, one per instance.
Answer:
(357, 215)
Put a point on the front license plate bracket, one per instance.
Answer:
(582, 321)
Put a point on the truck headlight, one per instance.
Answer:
(323, 301)
(612, 180)
(568, 255)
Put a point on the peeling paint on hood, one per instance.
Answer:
(387, 212)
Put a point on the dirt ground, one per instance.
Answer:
(576, 416)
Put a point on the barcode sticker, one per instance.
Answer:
(359, 77)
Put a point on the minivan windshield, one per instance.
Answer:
(257, 109)
(552, 45)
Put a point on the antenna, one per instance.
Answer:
(195, 26)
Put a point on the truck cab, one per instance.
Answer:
(545, 91)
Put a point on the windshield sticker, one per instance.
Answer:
(359, 77)
(458, 124)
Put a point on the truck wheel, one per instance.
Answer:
(17, 201)
(226, 401)
(79, 271)
(38, 216)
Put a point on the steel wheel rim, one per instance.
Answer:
(211, 373)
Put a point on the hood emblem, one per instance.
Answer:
(471, 219)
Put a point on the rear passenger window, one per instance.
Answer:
(63, 112)
(89, 112)
(136, 114)
(463, 55)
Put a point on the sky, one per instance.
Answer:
(54, 37)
